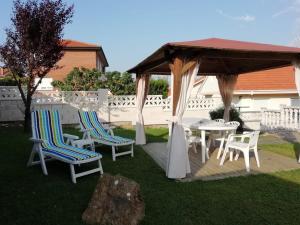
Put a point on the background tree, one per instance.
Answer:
(159, 87)
(120, 84)
(83, 79)
(33, 43)
(80, 79)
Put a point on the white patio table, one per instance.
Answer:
(204, 125)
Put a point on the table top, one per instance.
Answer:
(205, 124)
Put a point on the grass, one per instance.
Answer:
(28, 197)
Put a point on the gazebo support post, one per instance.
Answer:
(184, 72)
(142, 88)
(226, 87)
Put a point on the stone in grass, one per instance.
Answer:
(116, 201)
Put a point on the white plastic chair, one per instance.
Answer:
(242, 146)
(220, 120)
(222, 136)
(192, 140)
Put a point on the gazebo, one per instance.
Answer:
(225, 59)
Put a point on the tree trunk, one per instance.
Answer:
(27, 118)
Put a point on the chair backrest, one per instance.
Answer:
(254, 138)
(233, 123)
(188, 132)
(220, 120)
(90, 120)
(46, 126)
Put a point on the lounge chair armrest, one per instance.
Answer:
(108, 127)
(86, 129)
(71, 136)
(36, 140)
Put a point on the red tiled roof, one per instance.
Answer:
(78, 44)
(218, 43)
(274, 79)
(220, 56)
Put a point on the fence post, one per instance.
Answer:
(263, 116)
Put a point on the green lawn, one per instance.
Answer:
(28, 197)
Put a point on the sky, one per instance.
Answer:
(130, 30)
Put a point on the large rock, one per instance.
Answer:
(116, 201)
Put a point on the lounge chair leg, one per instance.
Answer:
(100, 166)
(31, 157)
(43, 164)
(132, 154)
(256, 157)
(113, 153)
(93, 147)
(72, 170)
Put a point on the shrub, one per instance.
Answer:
(79, 79)
(159, 87)
(234, 116)
(8, 80)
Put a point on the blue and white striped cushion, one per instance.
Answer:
(89, 120)
(46, 126)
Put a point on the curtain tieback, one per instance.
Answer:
(175, 119)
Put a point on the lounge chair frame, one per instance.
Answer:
(114, 146)
(44, 156)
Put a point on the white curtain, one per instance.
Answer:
(178, 164)
(141, 95)
(296, 65)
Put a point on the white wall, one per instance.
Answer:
(253, 102)
(209, 87)
(45, 85)
(111, 109)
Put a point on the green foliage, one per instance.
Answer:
(83, 79)
(7, 81)
(80, 79)
(120, 84)
(234, 116)
(159, 87)
(10, 81)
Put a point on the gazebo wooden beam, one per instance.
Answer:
(179, 66)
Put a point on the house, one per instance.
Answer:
(3, 71)
(264, 89)
(76, 54)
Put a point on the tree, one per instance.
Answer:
(159, 87)
(80, 79)
(120, 84)
(33, 43)
(83, 79)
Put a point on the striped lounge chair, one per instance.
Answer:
(93, 129)
(49, 144)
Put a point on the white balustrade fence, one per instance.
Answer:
(123, 108)
(285, 118)
(110, 108)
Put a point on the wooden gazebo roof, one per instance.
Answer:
(220, 56)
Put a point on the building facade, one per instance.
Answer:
(264, 89)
